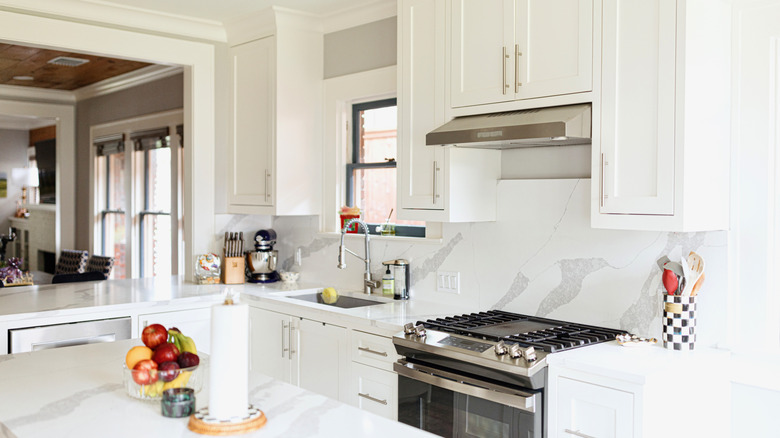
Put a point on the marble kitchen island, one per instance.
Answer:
(78, 392)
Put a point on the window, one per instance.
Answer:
(371, 173)
(138, 196)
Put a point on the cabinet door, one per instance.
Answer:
(252, 124)
(195, 323)
(585, 409)
(421, 104)
(269, 344)
(637, 158)
(553, 49)
(374, 390)
(482, 49)
(322, 357)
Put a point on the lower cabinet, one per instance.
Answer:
(373, 385)
(195, 323)
(588, 410)
(306, 353)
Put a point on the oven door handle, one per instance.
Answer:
(468, 386)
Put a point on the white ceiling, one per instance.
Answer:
(225, 10)
(24, 123)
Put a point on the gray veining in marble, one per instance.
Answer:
(62, 407)
(316, 245)
(573, 272)
(519, 285)
(431, 264)
(639, 317)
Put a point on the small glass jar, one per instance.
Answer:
(178, 402)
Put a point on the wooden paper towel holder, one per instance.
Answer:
(202, 423)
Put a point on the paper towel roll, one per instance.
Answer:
(229, 372)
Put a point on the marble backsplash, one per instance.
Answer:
(540, 257)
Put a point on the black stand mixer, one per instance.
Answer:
(261, 264)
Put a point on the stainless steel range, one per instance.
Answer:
(482, 374)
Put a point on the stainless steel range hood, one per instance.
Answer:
(554, 126)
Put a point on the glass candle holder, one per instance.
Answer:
(178, 402)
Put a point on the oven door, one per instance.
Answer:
(452, 405)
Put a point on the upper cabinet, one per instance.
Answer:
(661, 119)
(435, 183)
(275, 135)
(505, 50)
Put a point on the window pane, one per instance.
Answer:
(158, 190)
(114, 243)
(378, 135)
(375, 194)
(156, 242)
(116, 182)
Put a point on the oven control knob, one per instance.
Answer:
(515, 351)
(529, 354)
(409, 328)
(500, 348)
(419, 331)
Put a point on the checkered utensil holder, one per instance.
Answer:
(679, 322)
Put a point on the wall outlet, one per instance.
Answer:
(448, 282)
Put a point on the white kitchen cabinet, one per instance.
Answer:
(588, 410)
(661, 116)
(195, 323)
(373, 385)
(310, 354)
(505, 50)
(275, 146)
(323, 358)
(435, 183)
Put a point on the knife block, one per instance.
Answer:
(233, 270)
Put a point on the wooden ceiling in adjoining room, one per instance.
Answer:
(16, 61)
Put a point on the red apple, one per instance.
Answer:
(187, 360)
(145, 372)
(154, 335)
(165, 353)
(168, 371)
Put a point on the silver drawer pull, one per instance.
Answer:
(368, 350)
(384, 402)
(577, 433)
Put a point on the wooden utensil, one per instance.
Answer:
(697, 286)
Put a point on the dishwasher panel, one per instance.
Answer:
(65, 335)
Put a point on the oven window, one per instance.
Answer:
(452, 414)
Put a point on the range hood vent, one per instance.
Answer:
(554, 126)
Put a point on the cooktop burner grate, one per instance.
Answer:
(529, 331)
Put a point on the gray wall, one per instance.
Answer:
(361, 48)
(161, 95)
(13, 153)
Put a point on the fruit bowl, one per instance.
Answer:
(192, 377)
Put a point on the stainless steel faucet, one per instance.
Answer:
(368, 283)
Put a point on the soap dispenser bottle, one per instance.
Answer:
(388, 283)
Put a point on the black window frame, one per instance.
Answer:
(356, 164)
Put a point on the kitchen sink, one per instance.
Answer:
(342, 301)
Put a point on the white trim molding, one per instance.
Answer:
(368, 12)
(127, 80)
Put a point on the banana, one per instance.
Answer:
(179, 382)
(174, 338)
(184, 343)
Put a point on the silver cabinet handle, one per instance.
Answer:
(577, 433)
(292, 329)
(366, 396)
(518, 54)
(285, 327)
(267, 185)
(602, 181)
(504, 85)
(435, 174)
(368, 350)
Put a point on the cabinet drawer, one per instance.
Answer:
(374, 390)
(374, 350)
(585, 409)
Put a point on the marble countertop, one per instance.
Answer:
(27, 302)
(78, 392)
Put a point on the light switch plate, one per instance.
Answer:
(447, 281)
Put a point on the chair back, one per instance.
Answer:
(71, 262)
(100, 264)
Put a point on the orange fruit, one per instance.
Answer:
(137, 354)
